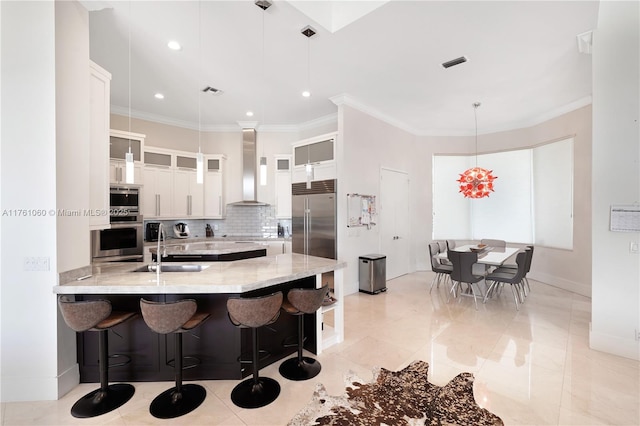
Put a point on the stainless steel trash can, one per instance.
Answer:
(372, 270)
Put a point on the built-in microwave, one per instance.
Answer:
(123, 241)
(124, 199)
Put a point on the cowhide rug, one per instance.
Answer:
(398, 398)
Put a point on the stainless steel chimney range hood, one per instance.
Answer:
(249, 170)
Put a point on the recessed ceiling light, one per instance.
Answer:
(306, 93)
(249, 113)
(174, 45)
(159, 96)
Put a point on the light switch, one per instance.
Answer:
(36, 264)
(633, 247)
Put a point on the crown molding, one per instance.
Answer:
(346, 99)
(141, 115)
(350, 101)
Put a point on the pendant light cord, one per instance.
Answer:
(199, 76)
(129, 88)
(475, 116)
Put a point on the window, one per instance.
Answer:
(532, 202)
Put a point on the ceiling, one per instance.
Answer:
(523, 62)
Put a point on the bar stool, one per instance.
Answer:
(300, 301)
(253, 313)
(175, 317)
(97, 315)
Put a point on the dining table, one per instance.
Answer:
(490, 256)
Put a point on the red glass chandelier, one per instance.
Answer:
(476, 182)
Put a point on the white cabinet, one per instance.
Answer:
(117, 172)
(100, 99)
(283, 187)
(188, 195)
(157, 198)
(214, 193)
(314, 151)
(314, 159)
(120, 143)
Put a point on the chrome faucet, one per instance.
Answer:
(159, 254)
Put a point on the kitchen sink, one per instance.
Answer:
(172, 268)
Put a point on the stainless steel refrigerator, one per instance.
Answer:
(313, 221)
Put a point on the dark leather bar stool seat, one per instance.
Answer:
(301, 301)
(175, 317)
(97, 315)
(253, 313)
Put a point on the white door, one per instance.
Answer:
(394, 221)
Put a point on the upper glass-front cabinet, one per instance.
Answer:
(314, 152)
(119, 145)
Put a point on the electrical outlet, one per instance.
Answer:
(36, 264)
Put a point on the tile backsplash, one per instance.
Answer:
(241, 221)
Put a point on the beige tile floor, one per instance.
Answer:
(532, 367)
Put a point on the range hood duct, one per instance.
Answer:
(249, 170)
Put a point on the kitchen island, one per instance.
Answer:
(216, 251)
(217, 344)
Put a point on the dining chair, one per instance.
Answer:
(509, 277)
(442, 271)
(513, 267)
(494, 243)
(451, 244)
(463, 273)
(442, 248)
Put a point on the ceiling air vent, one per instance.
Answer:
(213, 90)
(454, 62)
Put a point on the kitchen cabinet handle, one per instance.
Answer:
(219, 205)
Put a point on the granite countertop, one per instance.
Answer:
(237, 276)
(208, 248)
(220, 239)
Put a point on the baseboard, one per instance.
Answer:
(572, 286)
(628, 348)
(68, 380)
(24, 388)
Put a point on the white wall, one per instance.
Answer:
(28, 308)
(365, 145)
(72, 163)
(616, 177)
(72, 133)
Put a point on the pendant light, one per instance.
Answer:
(263, 159)
(199, 155)
(308, 32)
(476, 182)
(129, 170)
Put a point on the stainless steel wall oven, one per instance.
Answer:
(123, 240)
